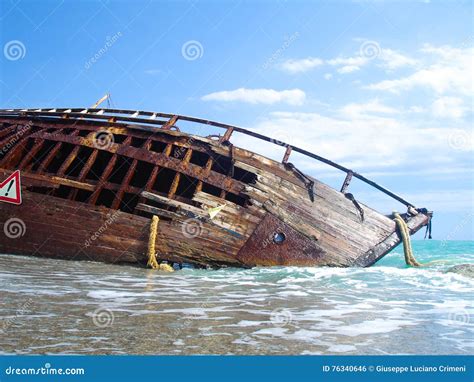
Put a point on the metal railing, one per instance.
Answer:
(168, 120)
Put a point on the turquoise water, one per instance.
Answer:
(53, 306)
(450, 252)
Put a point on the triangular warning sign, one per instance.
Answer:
(10, 189)
(214, 211)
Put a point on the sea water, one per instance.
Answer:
(66, 307)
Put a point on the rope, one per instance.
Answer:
(151, 243)
(152, 262)
(405, 234)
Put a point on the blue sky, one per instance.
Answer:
(382, 87)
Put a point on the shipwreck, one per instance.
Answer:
(94, 180)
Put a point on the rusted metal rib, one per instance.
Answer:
(151, 179)
(347, 182)
(207, 170)
(5, 132)
(160, 159)
(227, 134)
(168, 125)
(29, 157)
(177, 177)
(45, 163)
(106, 174)
(125, 185)
(14, 151)
(68, 161)
(287, 154)
(87, 166)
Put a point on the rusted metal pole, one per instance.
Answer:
(287, 154)
(347, 181)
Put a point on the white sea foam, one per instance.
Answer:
(341, 348)
(276, 331)
(332, 310)
(376, 326)
(292, 293)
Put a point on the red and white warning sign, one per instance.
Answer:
(10, 189)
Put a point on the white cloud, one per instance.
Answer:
(348, 69)
(416, 109)
(451, 72)
(392, 59)
(449, 107)
(447, 52)
(363, 109)
(300, 66)
(358, 138)
(258, 96)
(348, 61)
(367, 137)
(348, 64)
(387, 58)
(370, 135)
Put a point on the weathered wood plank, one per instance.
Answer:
(174, 203)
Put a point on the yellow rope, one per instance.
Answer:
(166, 267)
(151, 243)
(405, 234)
(152, 262)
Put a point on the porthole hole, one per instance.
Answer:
(279, 237)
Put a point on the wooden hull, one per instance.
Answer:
(86, 200)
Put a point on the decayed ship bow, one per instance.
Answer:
(91, 181)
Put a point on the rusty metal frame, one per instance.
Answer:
(81, 135)
(169, 120)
